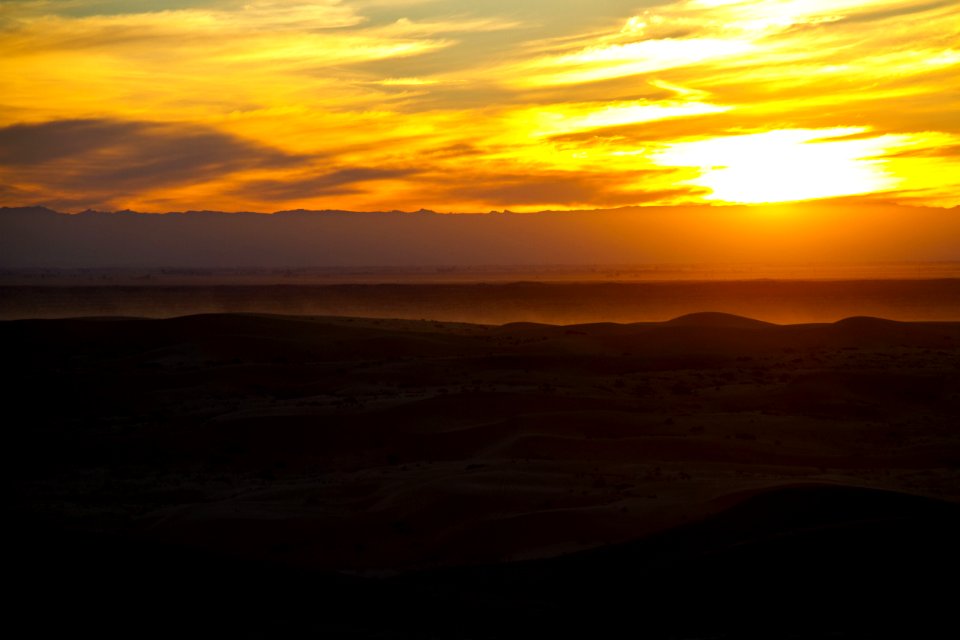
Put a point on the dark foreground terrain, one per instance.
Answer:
(708, 477)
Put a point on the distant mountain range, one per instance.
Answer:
(32, 237)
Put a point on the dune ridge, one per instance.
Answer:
(602, 297)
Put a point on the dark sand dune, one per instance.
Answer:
(715, 319)
(702, 477)
(596, 299)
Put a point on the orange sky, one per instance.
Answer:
(470, 106)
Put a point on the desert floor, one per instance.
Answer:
(711, 476)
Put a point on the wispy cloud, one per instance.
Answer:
(105, 162)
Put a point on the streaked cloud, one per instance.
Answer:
(317, 183)
(107, 162)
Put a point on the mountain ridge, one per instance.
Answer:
(39, 237)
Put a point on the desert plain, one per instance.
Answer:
(707, 476)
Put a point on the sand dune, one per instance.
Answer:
(686, 449)
(715, 319)
(483, 298)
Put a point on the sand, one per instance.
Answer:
(510, 475)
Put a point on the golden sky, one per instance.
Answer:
(468, 106)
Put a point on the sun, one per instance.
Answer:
(784, 165)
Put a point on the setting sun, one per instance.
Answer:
(781, 166)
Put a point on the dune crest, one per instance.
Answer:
(716, 319)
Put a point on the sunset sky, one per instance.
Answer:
(471, 106)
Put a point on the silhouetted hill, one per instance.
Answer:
(713, 319)
(38, 237)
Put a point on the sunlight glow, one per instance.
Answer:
(783, 165)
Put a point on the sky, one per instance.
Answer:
(376, 105)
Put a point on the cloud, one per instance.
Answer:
(187, 63)
(219, 14)
(564, 189)
(698, 34)
(897, 10)
(106, 158)
(341, 181)
(943, 151)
